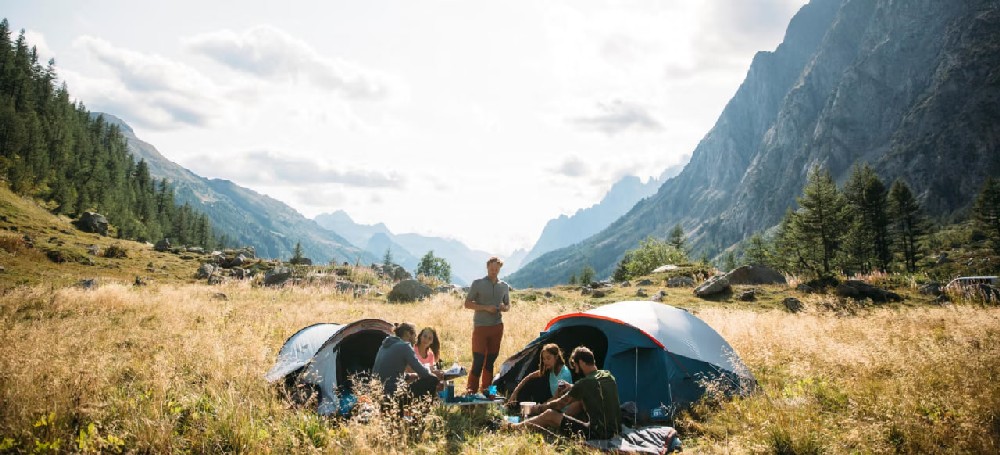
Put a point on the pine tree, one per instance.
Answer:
(757, 251)
(986, 211)
(867, 243)
(907, 222)
(676, 237)
(387, 258)
(818, 226)
(297, 254)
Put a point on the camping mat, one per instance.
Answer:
(656, 439)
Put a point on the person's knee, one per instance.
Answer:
(550, 418)
(478, 360)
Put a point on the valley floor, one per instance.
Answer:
(168, 368)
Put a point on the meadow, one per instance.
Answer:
(179, 368)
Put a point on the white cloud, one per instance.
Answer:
(269, 53)
(149, 90)
(573, 167)
(618, 116)
(269, 168)
(37, 39)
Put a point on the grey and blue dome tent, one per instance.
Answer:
(317, 362)
(661, 356)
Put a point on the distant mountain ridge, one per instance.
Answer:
(407, 249)
(909, 87)
(248, 218)
(622, 196)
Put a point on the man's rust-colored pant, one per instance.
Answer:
(485, 349)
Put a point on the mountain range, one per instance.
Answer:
(243, 215)
(912, 88)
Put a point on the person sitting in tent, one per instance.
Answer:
(395, 355)
(597, 391)
(542, 384)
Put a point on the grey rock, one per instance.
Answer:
(859, 290)
(409, 291)
(93, 250)
(93, 222)
(713, 286)
(641, 293)
(195, 250)
(204, 271)
(598, 294)
(277, 276)
(755, 274)
(163, 245)
(586, 290)
(659, 296)
(934, 289)
(626, 284)
(680, 282)
(216, 279)
(748, 296)
(793, 305)
(89, 283)
(648, 282)
(805, 288)
(665, 268)
(139, 281)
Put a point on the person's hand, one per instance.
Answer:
(537, 409)
(439, 374)
(491, 309)
(563, 387)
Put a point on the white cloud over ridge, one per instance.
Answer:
(264, 167)
(270, 53)
(148, 89)
(617, 116)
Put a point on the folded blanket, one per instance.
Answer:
(656, 439)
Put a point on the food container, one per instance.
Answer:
(526, 408)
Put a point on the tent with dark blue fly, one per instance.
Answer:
(319, 361)
(663, 357)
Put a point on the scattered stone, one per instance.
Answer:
(859, 290)
(220, 296)
(626, 284)
(598, 294)
(94, 223)
(216, 279)
(586, 290)
(162, 246)
(277, 276)
(680, 282)
(932, 288)
(755, 274)
(409, 291)
(793, 304)
(665, 268)
(715, 285)
(548, 294)
(805, 288)
(645, 282)
(93, 250)
(206, 270)
(89, 283)
(641, 293)
(139, 281)
(748, 296)
(196, 250)
(659, 296)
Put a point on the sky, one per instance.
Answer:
(473, 120)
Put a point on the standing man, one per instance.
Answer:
(597, 391)
(489, 297)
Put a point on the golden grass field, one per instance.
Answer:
(174, 368)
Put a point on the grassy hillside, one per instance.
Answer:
(37, 247)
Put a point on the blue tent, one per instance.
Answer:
(661, 356)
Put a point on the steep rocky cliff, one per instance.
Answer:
(908, 86)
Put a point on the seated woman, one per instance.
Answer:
(428, 348)
(543, 384)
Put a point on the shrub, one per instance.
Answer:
(115, 251)
(651, 254)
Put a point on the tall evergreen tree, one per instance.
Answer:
(867, 243)
(757, 251)
(986, 211)
(818, 226)
(676, 237)
(908, 223)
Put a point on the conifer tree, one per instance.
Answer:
(908, 223)
(986, 211)
(817, 228)
(867, 242)
(676, 237)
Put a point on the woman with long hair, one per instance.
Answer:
(428, 348)
(541, 385)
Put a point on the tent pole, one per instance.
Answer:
(636, 377)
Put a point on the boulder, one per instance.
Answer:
(204, 271)
(641, 293)
(139, 281)
(680, 282)
(755, 274)
(277, 276)
(793, 305)
(859, 290)
(659, 296)
(409, 291)
(713, 286)
(645, 282)
(599, 294)
(933, 288)
(196, 250)
(626, 284)
(805, 288)
(665, 268)
(586, 290)
(89, 283)
(162, 246)
(93, 250)
(93, 222)
(216, 279)
(748, 296)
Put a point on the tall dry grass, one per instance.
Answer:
(174, 368)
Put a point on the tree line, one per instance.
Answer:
(862, 227)
(53, 149)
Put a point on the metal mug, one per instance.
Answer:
(526, 408)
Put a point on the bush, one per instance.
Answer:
(651, 254)
(115, 251)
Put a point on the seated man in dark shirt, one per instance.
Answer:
(395, 354)
(597, 391)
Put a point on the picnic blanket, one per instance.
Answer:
(655, 439)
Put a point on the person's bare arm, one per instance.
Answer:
(472, 305)
(505, 304)
(555, 403)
